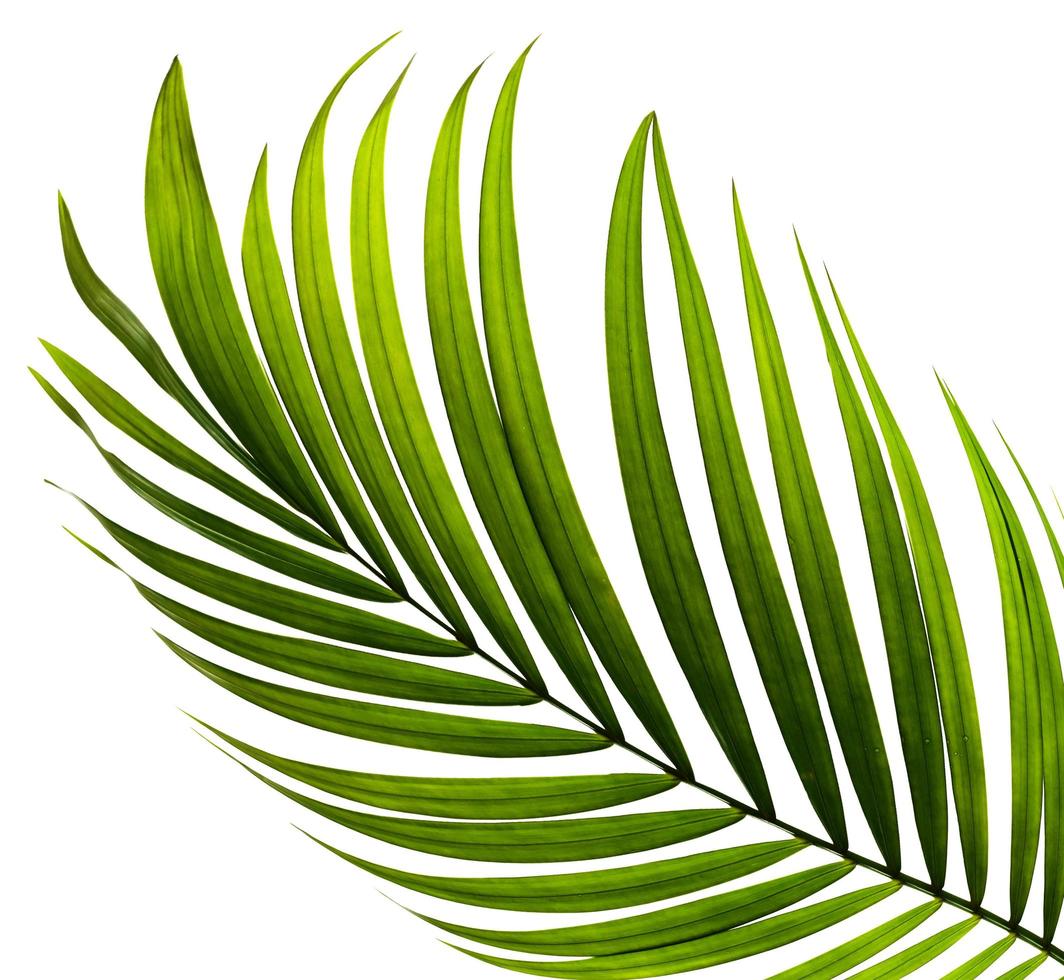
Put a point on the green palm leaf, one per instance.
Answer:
(908, 654)
(981, 962)
(816, 567)
(696, 954)
(201, 304)
(497, 798)
(953, 675)
(271, 306)
(759, 589)
(534, 446)
(1051, 700)
(837, 961)
(675, 924)
(658, 519)
(357, 476)
(477, 428)
(1029, 643)
(338, 372)
(594, 891)
(399, 400)
(134, 336)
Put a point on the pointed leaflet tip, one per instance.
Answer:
(259, 180)
(945, 387)
(96, 551)
(174, 75)
(476, 71)
(740, 224)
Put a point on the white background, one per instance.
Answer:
(918, 151)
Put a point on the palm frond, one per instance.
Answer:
(346, 461)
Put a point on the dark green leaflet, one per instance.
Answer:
(953, 675)
(343, 667)
(1051, 689)
(592, 891)
(1025, 969)
(281, 557)
(498, 798)
(399, 401)
(271, 307)
(908, 653)
(130, 420)
(534, 444)
(549, 840)
(662, 534)
(134, 336)
(759, 590)
(477, 430)
(668, 926)
(338, 621)
(338, 372)
(198, 295)
(837, 961)
(431, 731)
(697, 954)
(910, 960)
(1029, 641)
(816, 568)
(524, 841)
(981, 962)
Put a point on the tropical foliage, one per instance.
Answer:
(367, 510)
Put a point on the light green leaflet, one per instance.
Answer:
(293, 409)
(816, 568)
(533, 443)
(759, 590)
(198, 294)
(1025, 969)
(129, 419)
(697, 954)
(593, 891)
(908, 654)
(910, 960)
(399, 400)
(523, 841)
(431, 731)
(281, 343)
(658, 520)
(953, 675)
(282, 557)
(477, 429)
(498, 798)
(1029, 641)
(981, 962)
(837, 961)
(1051, 691)
(338, 371)
(667, 926)
(134, 336)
